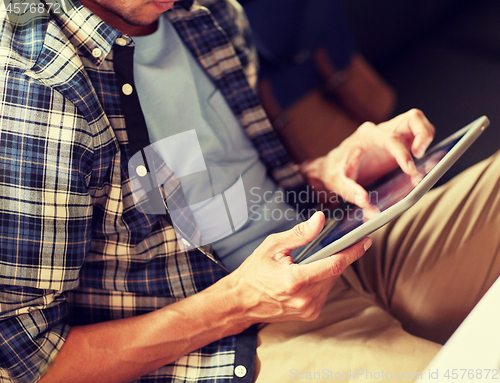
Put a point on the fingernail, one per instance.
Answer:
(361, 200)
(367, 244)
(411, 166)
(420, 151)
(314, 219)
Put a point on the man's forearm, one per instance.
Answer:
(267, 287)
(122, 350)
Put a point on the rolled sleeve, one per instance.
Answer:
(31, 333)
(46, 154)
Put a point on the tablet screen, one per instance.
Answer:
(383, 194)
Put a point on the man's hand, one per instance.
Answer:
(267, 287)
(271, 288)
(369, 153)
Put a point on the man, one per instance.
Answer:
(94, 289)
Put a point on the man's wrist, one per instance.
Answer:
(233, 309)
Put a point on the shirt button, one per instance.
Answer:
(121, 41)
(141, 171)
(240, 371)
(127, 89)
(96, 52)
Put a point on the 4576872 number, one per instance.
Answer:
(32, 8)
(472, 374)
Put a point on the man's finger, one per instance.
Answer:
(422, 130)
(334, 265)
(351, 191)
(298, 236)
(402, 156)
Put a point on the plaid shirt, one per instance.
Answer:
(74, 249)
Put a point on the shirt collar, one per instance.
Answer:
(92, 37)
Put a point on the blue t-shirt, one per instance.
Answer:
(176, 97)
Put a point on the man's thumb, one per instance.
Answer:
(303, 233)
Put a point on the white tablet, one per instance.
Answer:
(392, 195)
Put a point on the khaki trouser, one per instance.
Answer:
(391, 311)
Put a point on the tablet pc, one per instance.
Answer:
(393, 194)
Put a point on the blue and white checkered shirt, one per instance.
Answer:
(74, 249)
